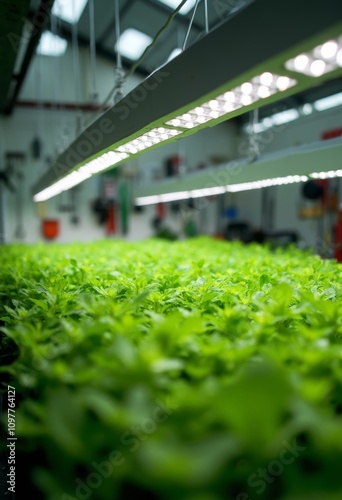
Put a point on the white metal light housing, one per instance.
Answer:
(321, 160)
(216, 79)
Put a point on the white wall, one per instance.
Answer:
(53, 79)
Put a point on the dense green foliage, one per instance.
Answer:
(195, 370)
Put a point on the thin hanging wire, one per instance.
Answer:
(254, 150)
(190, 25)
(40, 106)
(55, 113)
(156, 38)
(119, 72)
(117, 33)
(76, 61)
(94, 94)
(137, 63)
(206, 16)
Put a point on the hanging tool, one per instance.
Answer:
(15, 160)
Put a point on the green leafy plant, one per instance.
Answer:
(196, 370)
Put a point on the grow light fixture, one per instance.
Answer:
(51, 45)
(195, 90)
(290, 166)
(259, 87)
(213, 191)
(322, 59)
(132, 43)
(69, 10)
(235, 188)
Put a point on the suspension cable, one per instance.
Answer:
(190, 25)
(93, 50)
(206, 17)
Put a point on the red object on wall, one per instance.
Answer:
(338, 242)
(50, 228)
(111, 219)
(331, 134)
(161, 211)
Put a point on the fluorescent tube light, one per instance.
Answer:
(289, 115)
(51, 45)
(328, 102)
(69, 10)
(132, 43)
(277, 181)
(173, 4)
(232, 188)
(293, 165)
(322, 59)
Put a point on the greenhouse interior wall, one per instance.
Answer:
(58, 129)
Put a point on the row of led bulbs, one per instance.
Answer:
(234, 188)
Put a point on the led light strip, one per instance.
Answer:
(327, 175)
(77, 176)
(107, 160)
(148, 140)
(277, 181)
(234, 188)
(260, 87)
(319, 61)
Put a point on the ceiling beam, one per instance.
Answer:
(39, 21)
(12, 18)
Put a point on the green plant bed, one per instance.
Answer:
(195, 370)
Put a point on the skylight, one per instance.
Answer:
(51, 45)
(174, 53)
(69, 10)
(132, 43)
(174, 4)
